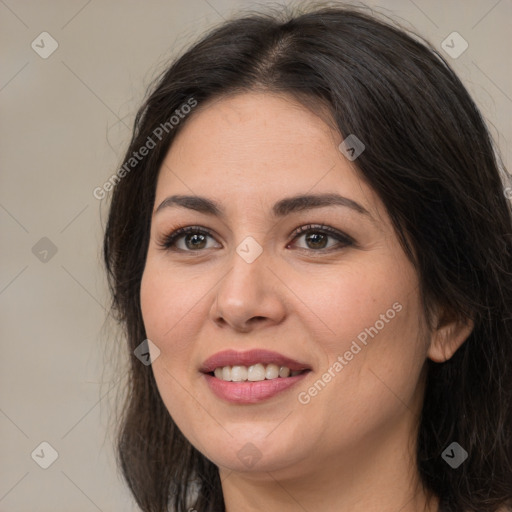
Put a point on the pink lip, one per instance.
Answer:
(248, 358)
(250, 392)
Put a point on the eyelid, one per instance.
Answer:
(323, 228)
(167, 242)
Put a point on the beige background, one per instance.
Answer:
(64, 126)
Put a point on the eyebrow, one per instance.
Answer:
(282, 208)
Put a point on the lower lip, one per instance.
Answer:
(250, 392)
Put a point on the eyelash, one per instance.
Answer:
(168, 242)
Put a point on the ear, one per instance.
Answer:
(448, 337)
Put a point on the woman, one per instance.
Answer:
(289, 372)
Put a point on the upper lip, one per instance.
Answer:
(248, 358)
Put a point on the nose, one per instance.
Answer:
(249, 296)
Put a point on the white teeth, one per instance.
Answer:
(272, 371)
(254, 373)
(226, 373)
(238, 373)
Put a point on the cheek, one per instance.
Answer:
(166, 312)
(345, 302)
(370, 317)
(168, 301)
(151, 302)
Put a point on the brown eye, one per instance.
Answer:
(316, 237)
(195, 239)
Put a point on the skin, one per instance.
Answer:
(352, 447)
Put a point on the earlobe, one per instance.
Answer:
(448, 338)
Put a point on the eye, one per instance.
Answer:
(195, 238)
(317, 235)
(193, 235)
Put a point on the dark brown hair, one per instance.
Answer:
(430, 159)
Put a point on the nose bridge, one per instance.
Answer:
(248, 266)
(247, 290)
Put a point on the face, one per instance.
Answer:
(323, 290)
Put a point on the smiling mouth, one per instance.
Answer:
(255, 373)
(252, 376)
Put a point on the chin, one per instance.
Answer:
(256, 454)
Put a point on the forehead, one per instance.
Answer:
(257, 147)
(252, 117)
